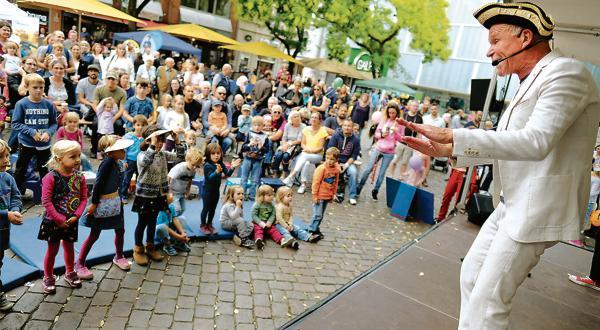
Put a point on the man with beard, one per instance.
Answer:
(220, 95)
(332, 124)
(85, 90)
(349, 146)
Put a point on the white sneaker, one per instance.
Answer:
(288, 181)
(352, 201)
(302, 189)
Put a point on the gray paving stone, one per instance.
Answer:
(265, 324)
(116, 323)
(189, 290)
(68, 320)
(150, 287)
(33, 325)
(225, 308)
(60, 296)
(154, 275)
(46, 311)
(126, 295)
(203, 311)
(145, 302)
(262, 300)
(203, 324)
(77, 304)
(243, 316)
(172, 280)
(262, 312)
(139, 318)
(227, 286)
(94, 316)
(120, 309)
(190, 279)
(174, 270)
(132, 281)
(186, 302)
(225, 322)
(208, 288)
(167, 292)
(184, 315)
(29, 302)
(103, 298)
(280, 310)
(245, 326)
(206, 299)
(161, 320)
(88, 289)
(242, 301)
(109, 284)
(226, 296)
(165, 306)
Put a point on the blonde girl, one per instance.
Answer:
(64, 196)
(177, 120)
(232, 217)
(105, 211)
(164, 107)
(285, 222)
(263, 216)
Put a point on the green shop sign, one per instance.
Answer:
(361, 60)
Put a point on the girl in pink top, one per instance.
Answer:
(71, 131)
(388, 133)
(64, 197)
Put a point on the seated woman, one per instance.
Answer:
(57, 87)
(290, 144)
(313, 142)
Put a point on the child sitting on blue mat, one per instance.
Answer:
(10, 212)
(170, 230)
(285, 222)
(181, 176)
(263, 216)
(232, 217)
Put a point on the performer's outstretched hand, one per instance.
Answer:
(428, 147)
(437, 134)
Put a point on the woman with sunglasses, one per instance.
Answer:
(318, 102)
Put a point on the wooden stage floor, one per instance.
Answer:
(418, 288)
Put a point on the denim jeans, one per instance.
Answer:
(317, 217)
(298, 232)
(129, 171)
(586, 220)
(162, 231)
(224, 142)
(281, 158)
(179, 202)
(251, 168)
(352, 173)
(385, 162)
(86, 165)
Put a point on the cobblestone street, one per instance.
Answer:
(219, 285)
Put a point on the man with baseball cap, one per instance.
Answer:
(540, 154)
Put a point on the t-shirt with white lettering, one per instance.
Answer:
(180, 176)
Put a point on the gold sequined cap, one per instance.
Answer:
(524, 14)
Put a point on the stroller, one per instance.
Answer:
(440, 162)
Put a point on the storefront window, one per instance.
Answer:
(206, 5)
(222, 7)
(190, 3)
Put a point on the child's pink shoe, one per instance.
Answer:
(576, 242)
(122, 263)
(84, 273)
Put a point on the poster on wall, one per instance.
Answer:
(25, 29)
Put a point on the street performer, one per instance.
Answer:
(541, 155)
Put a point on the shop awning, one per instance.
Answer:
(386, 83)
(261, 49)
(84, 7)
(194, 31)
(169, 42)
(323, 64)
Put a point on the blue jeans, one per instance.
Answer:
(86, 165)
(586, 220)
(385, 162)
(282, 158)
(131, 168)
(251, 168)
(179, 202)
(162, 231)
(352, 173)
(298, 232)
(224, 142)
(317, 217)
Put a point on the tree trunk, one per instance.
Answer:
(233, 17)
(171, 11)
(131, 10)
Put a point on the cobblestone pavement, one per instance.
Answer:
(219, 285)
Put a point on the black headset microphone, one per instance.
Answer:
(496, 62)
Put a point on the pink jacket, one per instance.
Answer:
(387, 144)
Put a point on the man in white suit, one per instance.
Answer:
(541, 155)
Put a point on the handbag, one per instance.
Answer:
(108, 207)
(595, 218)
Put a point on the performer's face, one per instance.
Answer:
(503, 43)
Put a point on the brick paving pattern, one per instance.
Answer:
(221, 286)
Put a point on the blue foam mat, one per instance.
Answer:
(24, 243)
(192, 218)
(15, 273)
(104, 248)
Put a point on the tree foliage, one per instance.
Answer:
(288, 21)
(336, 46)
(374, 25)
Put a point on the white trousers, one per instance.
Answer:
(492, 270)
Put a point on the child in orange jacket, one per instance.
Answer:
(324, 187)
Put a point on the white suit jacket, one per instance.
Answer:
(541, 151)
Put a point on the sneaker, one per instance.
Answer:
(259, 244)
(295, 245)
(288, 181)
(286, 241)
(212, 229)
(84, 273)
(124, 200)
(585, 281)
(352, 201)
(302, 188)
(169, 250)
(5, 305)
(182, 246)
(122, 263)
(374, 195)
(72, 280)
(205, 230)
(49, 284)
(248, 243)
(237, 240)
(576, 242)
(314, 238)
